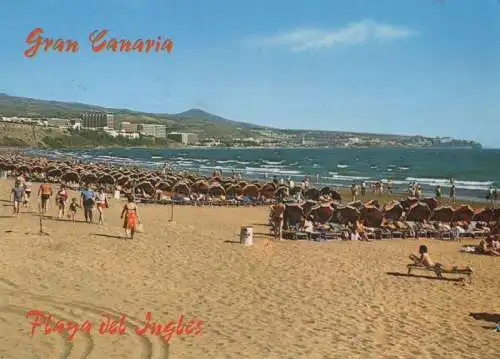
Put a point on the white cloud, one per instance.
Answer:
(352, 34)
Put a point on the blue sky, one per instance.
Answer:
(389, 66)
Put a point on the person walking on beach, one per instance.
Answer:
(102, 202)
(61, 197)
(354, 192)
(131, 218)
(453, 193)
(27, 192)
(87, 202)
(17, 197)
(278, 216)
(45, 192)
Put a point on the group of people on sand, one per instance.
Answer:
(89, 199)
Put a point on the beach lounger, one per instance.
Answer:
(440, 270)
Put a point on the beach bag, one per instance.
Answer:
(139, 228)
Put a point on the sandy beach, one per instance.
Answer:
(289, 299)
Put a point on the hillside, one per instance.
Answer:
(207, 125)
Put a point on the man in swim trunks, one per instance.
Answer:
(45, 192)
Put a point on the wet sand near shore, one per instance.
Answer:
(291, 299)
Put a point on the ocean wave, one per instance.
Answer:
(271, 170)
(472, 185)
(342, 166)
(349, 178)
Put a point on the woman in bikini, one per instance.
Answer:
(61, 197)
(102, 202)
(131, 218)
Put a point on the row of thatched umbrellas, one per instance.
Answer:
(373, 214)
(152, 181)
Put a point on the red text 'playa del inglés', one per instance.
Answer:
(110, 325)
(99, 42)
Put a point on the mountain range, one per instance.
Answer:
(194, 120)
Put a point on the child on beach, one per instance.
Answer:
(73, 208)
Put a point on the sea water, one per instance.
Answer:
(473, 170)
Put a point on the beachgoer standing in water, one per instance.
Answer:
(102, 202)
(453, 193)
(131, 218)
(87, 202)
(17, 197)
(438, 192)
(45, 192)
(61, 197)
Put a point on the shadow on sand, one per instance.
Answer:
(106, 235)
(395, 274)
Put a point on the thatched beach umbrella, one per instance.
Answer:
(200, 186)
(463, 213)
(25, 168)
(443, 214)
(36, 169)
(307, 206)
(122, 180)
(267, 190)
(346, 214)
(88, 178)
(146, 187)
(483, 215)
(281, 191)
(372, 203)
(234, 190)
(268, 187)
(181, 188)
(71, 177)
(393, 211)
(216, 190)
(408, 202)
(106, 179)
(431, 202)
(293, 213)
(55, 172)
(163, 186)
(418, 212)
(371, 215)
(251, 190)
(322, 213)
(356, 204)
(312, 193)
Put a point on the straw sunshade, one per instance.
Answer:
(216, 190)
(443, 214)
(463, 213)
(418, 212)
(372, 216)
(483, 215)
(322, 213)
(393, 211)
(293, 213)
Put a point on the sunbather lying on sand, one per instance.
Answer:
(490, 246)
(426, 261)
